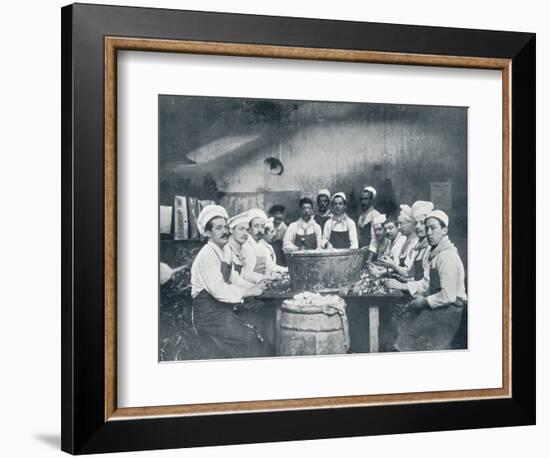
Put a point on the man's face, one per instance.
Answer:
(257, 228)
(366, 200)
(338, 206)
(379, 231)
(277, 218)
(391, 230)
(269, 234)
(307, 211)
(420, 227)
(405, 225)
(322, 203)
(434, 231)
(240, 233)
(219, 233)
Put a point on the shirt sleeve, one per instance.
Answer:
(288, 239)
(449, 271)
(238, 280)
(326, 233)
(249, 264)
(352, 229)
(373, 246)
(213, 281)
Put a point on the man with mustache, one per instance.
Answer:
(391, 250)
(323, 207)
(258, 263)
(365, 226)
(304, 233)
(221, 331)
(434, 314)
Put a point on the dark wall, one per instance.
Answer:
(216, 148)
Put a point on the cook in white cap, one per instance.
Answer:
(416, 275)
(304, 233)
(406, 226)
(340, 230)
(323, 207)
(259, 264)
(233, 264)
(365, 227)
(437, 308)
(380, 236)
(219, 329)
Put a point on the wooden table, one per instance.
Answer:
(355, 303)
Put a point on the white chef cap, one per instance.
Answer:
(209, 212)
(406, 211)
(339, 194)
(324, 192)
(371, 190)
(440, 215)
(256, 213)
(379, 219)
(241, 218)
(421, 208)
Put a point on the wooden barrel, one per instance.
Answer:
(310, 330)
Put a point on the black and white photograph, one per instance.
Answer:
(292, 228)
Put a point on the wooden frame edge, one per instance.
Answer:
(111, 46)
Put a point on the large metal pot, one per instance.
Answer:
(324, 270)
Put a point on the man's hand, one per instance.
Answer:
(418, 302)
(388, 262)
(391, 283)
(275, 275)
(253, 291)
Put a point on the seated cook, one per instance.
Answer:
(436, 310)
(406, 227)
(223, 332)
(391, 250)
(304, 233)
(258, 263)
(416, 275)
(380, 236)
(340, 230)
(323, 207)
(233, 264)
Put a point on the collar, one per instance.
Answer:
(217, 250)
(327, 212)
(234, 245)
(342, 218)
(421, 244)
(443, 245)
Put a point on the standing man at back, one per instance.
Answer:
(365, 223)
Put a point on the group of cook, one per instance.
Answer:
(243, 254)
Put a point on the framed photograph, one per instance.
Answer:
(282, 228)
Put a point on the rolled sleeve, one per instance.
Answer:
(288, 239)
